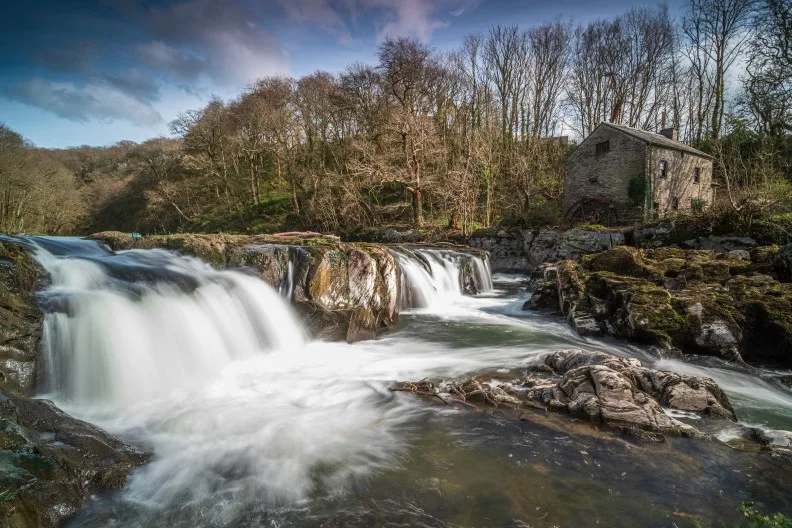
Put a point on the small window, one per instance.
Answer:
(602, 148)
(656, 206)
(696, 175)
(674, 203)
(663, 168)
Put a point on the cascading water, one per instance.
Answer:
(127, 327)
(431, 278)
(252, 426)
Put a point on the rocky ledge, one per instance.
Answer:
(617, 393)
(51, 464)
(730, 305)
(342, 291)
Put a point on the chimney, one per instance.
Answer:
(670, 133)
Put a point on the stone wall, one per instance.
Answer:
(522, 251)
(679, 182)
(607, 176)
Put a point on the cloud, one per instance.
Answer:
(181, 65)
(214, 38)
(391, 18)
(134, 82)
(319, 13)
(84, 102)
(408, 18)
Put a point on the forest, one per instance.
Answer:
(464, 139)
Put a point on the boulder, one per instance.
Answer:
(783, 263)
(619, 393)
(51, 464)
(625, 395)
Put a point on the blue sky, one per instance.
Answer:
(97, 72)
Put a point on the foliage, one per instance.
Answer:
(756, 519)
(637, 190)
(697, 205)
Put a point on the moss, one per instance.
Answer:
(623, 260)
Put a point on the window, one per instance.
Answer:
(696, 175)
(602, 148)
(674, 203)
(656, 206)
(663, 168)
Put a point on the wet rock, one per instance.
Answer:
(51, 463)
(477, 393)
(344, 291)
(623, 394)
(20, 319)
(506, 249)
(544, 298)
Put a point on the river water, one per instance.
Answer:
(252, 424)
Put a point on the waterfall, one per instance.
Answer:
(435, 277)
(131, 326)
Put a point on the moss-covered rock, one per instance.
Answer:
(698, 301)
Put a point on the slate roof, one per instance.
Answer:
(656, 139)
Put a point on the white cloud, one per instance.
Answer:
(209, 37)
(83, 102)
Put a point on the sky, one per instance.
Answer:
(85, 72)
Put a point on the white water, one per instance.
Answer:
(432, 278)
(118, 345)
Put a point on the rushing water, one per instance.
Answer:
(252, 425)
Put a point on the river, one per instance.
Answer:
(253, 424)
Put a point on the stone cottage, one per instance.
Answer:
(620, 175)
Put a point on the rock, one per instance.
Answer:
(621, 393)
(20, 319)
(697, 301)
(721, 244)
(51, 463)
(738, 254)
(548, 245)
(783, 263)
(524, 251)
(617, 392)
(477, 393)
(545, 294)
(506, 249)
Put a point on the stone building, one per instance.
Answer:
(620, 175)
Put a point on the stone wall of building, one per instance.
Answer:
(607, 176)
(679, 181)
